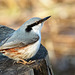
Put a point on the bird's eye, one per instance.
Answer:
(28, 29)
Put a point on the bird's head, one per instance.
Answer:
(34, 24)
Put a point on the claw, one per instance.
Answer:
(25, 62)
(31, 62)
(22, 61)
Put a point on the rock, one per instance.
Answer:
(8, 67)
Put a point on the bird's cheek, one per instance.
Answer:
(35, 28)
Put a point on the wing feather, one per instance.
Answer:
(17, 43)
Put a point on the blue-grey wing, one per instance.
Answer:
(11, 42)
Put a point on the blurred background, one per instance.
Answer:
(58, 32)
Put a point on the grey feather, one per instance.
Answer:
(8, 43)
(21, 38)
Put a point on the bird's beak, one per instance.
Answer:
(38, 22)
(44, 19)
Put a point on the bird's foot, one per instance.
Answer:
(22, 61)
(30, 62)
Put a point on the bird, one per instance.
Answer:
(25, 42)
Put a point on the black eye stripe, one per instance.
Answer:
(34, 24)
(29, 27)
